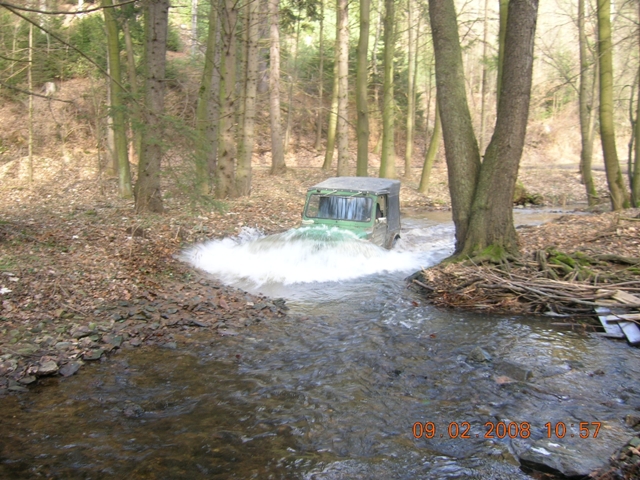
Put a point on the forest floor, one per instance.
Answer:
(81, 275)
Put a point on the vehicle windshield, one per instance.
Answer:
(333, 207)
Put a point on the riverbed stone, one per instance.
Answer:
(479, 355)
(513, 370)
(570, 459)
(28, 380)
(70, 368)
(93, 354)
(49, 367)
(81, 332)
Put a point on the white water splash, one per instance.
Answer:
(303, 255)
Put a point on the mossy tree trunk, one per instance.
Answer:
(491, 221)
(204, 143)
(116, 109)
(461, 148)
(617, 189)
(482, 194)
(362, 103)
(430, 156)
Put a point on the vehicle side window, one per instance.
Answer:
(381, 207)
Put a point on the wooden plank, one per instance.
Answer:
(624, 297)
(631, 331)
(611, 329)
(622, 317)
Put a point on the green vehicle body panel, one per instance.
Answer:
(367, 207)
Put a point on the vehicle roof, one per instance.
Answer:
(360, 184)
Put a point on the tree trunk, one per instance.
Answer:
(320, 115)
(617, 189)
(116, 109)
(491, 222)
(293, 79)
(333, 114)
(485, 74)
(411, 94)
(503, 13)
(342, 128)
(388, 157)
(243, 174)
(362, 103)
(461, 149)
(635, 176)
(430, 156)
(136, 119)
(586, 100)
(203, 127)
(147, 191)
(277, 149)
(30, 120)
(225, 173)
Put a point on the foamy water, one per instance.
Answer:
(306, 254)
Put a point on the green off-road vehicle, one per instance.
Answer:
(367, 207)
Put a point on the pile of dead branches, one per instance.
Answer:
(527, 288)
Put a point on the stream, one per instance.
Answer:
(360, 381)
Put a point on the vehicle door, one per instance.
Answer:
(380, 226)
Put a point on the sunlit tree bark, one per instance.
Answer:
(411, 94)
(388, 156)
(586, 100)
(362, 103)
(430, 156)
(342, 130)
(461, 149)
(617, 189)
(243, 174)
(225, 172)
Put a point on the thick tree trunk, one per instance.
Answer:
(147, 191)
(586, 100)
(430, 156)
(203, 127)
(343, 88)
(362, 103)
(225, 173)
(491, 223)
(461, 149)
(617, 189)
(116, 109)
(277, 149)
(388, 156)
(243, 174)
(293, 80)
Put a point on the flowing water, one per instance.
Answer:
(334, 390)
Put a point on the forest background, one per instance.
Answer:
(204, 136)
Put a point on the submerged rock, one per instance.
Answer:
(479, 355)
